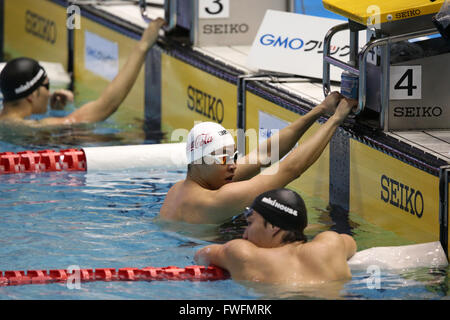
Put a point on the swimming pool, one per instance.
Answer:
(110, 220)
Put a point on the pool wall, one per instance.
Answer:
(36, 29)
(2, 22)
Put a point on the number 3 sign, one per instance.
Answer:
(213, 9)
(406, 82)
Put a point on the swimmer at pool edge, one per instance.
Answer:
(25, 88)
(217, 187)
(274, 248)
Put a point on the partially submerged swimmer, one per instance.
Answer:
(218, 186)
(25, 88)
(274, 248)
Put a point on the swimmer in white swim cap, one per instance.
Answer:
(205, 139)
(217, 187)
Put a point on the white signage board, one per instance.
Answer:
(230, 22)
(292, 43)
(101, 56)
(270, 125)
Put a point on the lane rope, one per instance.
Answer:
(167, 156)
(172, 273)
(42, 161)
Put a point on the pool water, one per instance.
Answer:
(110, 220)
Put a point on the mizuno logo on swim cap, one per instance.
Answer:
(279, 206)
(30, 83)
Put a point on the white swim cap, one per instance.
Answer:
(204, 138)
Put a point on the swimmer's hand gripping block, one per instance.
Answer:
(189, 273)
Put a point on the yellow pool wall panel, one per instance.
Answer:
(92, 83)
(35, 29)
(190, 95)
(394, 195)
(315, 181)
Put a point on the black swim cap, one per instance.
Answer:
(283, 208)
(20, 77)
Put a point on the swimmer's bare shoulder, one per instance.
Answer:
(184, 202)
(328, 252)
(168, 210)
(189, 202)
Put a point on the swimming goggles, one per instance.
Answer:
(248, 212)
(224, 158)
(46, 85)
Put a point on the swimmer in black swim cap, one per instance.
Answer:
(274, 248)
(283, 208)
(25, 88)
(20, 78)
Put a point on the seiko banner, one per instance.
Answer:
(293, 43)
(228, 22)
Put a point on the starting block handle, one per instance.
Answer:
(170, 13)
(329, 60)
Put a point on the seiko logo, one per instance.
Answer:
(205, 104)
(40, 27)
(408, 14)
(284, 42)
(402, 196)
(234, 28)
(421, 112)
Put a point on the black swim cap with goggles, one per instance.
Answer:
(20, 77)
(283, 208)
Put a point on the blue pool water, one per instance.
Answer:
(110, 220)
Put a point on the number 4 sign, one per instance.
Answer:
(406, 82)
(213, 9)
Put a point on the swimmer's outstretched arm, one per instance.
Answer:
(118, 89)
(284, 140)
(232, 198)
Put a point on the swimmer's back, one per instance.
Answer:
(182, 202)
(295, 263)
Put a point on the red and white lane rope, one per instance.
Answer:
(189, 273)
(168, 156)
